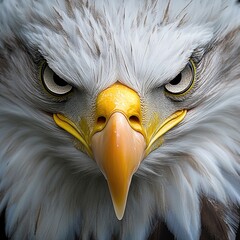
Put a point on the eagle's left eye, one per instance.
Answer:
(53, 83)
(183, 81)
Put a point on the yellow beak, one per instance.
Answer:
(118, 150)
(119, 141)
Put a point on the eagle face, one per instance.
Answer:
(115, 114)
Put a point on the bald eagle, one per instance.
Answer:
(119, 120)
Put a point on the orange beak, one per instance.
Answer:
(118, 144)
(117, 140)
(118, 150)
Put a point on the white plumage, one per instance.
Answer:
(50, 188)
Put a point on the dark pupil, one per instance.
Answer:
(177, 79)
(59, 81)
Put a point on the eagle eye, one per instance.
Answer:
(53, 83)
(183, 81)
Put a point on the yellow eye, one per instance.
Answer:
(183, 81)
(53, 83)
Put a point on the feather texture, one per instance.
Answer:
(186, 189)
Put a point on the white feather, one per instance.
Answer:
(54, 191)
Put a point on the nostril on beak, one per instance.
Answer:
(101, 120)
(134, 119)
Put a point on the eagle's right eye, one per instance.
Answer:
(53, 83)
